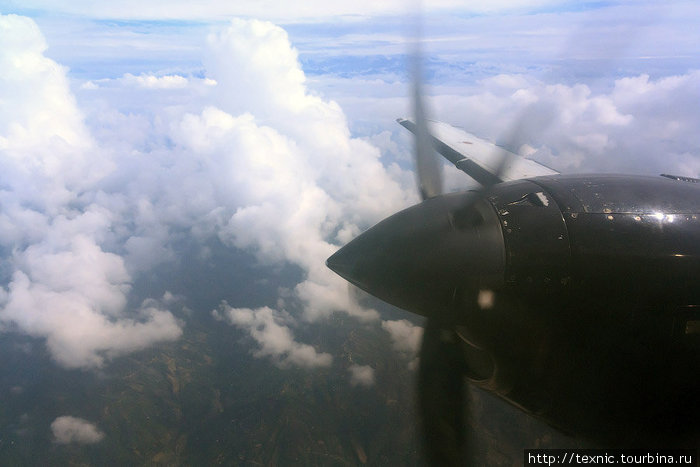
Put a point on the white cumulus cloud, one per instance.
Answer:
(156, 82)
(406, 338)
(293, 170)
(639, 125)
(64, 286)
(361, 375)
(270, 329)
(67, 429)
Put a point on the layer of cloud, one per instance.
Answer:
(641, 125)
(258, 161)
(636, 124)
(297, 170)
(150, 82)
(156, 82)
(250, 153)
(67, 429)
(64, 285)
(271, 331)
(310, 9)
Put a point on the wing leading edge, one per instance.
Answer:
(478, 158)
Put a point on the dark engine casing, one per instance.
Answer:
(596, 326)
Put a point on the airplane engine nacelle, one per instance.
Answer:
(577, 298)
(600, 302)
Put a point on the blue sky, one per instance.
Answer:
(126, 127)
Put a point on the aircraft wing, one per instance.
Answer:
(478, 158)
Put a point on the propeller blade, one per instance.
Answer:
(442, 402)
(427, 163)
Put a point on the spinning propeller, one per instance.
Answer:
(442, 399)
(434, 259)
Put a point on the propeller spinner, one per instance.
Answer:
(432, 259)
